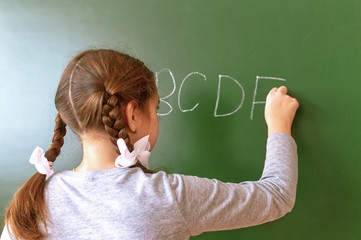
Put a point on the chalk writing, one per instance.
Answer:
(218, 96)
(180, 90)
(164, 99)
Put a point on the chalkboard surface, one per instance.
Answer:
(215, 61)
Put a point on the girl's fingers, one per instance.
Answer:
(270, 93)
(282, 89)
(273, 90)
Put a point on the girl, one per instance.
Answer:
(110, 99)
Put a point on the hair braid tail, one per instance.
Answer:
(28, 208)
(57, 140)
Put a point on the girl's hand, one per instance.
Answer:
(280, 110)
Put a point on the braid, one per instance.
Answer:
(28, 208)
(113, 120)
(58, 139)
(114, 124)
(85, 86)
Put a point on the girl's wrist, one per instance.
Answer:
(279, 129)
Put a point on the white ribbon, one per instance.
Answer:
(140, 152)
(41, 163)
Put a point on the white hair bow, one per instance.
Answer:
(41, 163)
(140, 152)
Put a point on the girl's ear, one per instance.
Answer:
(131, 111)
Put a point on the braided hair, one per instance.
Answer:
(92, 90)
(112, 119)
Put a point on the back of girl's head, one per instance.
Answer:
(96, 84)
(92, 90)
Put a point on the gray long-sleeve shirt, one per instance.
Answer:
(130, 204)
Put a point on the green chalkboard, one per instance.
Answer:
(218, 59)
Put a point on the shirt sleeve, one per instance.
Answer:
(212, 205)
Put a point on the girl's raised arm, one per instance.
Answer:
(212, 205)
